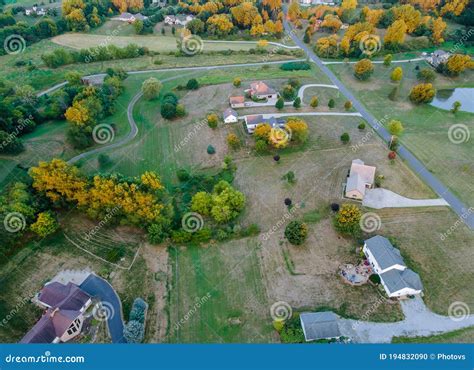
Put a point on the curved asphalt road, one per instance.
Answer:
(97, 287)
(460, 208)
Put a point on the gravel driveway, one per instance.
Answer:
(383, 198)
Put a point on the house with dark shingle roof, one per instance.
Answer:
(396, 278)
(253, 120)
(230, 116)
(320, 325)
(64, 316)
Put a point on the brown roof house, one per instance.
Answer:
(64, 316)
(361, 177)
(260, 90)
(237, 101)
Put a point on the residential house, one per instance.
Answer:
(94, 80)
(320, 325)
(180, 20)
(34, 11)
(260, 90)
(130, 18)
(396, 278)
(64, 306)
(237, 101)
(438, 57)
(361, 177)
(252, 121)
(230, 116)
(315, 2)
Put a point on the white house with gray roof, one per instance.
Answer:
(396, 278)
(320, 325)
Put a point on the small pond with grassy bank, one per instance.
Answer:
(445, 98)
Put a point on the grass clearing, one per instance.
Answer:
(426, 127)
(458, 336)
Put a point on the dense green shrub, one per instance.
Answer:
(295, 66)
(296, 232)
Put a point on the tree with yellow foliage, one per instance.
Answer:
(132, 5)
(348, 4)
(151, 180)
(347, 220)
(219, 24)
(257, 30)
(422, 93)
(269, 27)
(458, 63)
(59, 182)
(77, 114)
(212, 7)
(294, 11)
(244, 14)
(455, 7)
(372, 16)
(298, 129)
(262, 131)
(332, 22)
(409, 15)
(327, 46)
(438, 26)
(425, 5)
(45, 224)
(396, 74)
(395, 34)
(363, 69)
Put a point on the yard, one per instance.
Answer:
(426, 127)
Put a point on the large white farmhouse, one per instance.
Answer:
(397, 279)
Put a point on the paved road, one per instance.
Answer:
(97, 287)
(419, 322)
(178, 69)
(460, 208)
(377, 61)
(278, 115)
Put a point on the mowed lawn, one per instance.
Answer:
(218, 295)
(426, 127)
(160, 43)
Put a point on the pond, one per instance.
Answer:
(444, 99)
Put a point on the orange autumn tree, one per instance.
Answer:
(332, 22)
(244, 14)
(438, 26)
(125, 5)
(396, 33)
(372, 16)
(409, 15)
(455, 7)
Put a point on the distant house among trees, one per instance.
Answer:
(130, 18)
(34, 11)
(180, 20)
(260, 90)
(438, 57)
(252, 121)
(315, 2)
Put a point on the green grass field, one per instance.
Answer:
(426, 127)
(227, 279)
(458, 336)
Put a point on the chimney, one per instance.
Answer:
(54, 312)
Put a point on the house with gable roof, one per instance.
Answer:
(361, 177)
